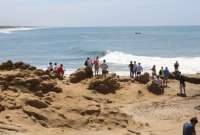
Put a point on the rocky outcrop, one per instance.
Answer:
(81, 74)
(31, 80)
(145, 78)
(8, 65)
(155, 88)
(104, 85)
(36, 103)
(192, 79)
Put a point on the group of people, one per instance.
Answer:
(97, 65)
(135, 69)
(162, 76)
(56, 70)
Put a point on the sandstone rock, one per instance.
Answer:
(155, 88)
(18, 64)
(6, 65)
(91, 110)
(47, 86)
(104, 85)
(33, 112)
(36, 103)
(32, 82)
(18, 81)
(57, 89)
(145, 78)
(45, 77)
(81, 74)
(39, 72)
(2, 108)
(32, 68)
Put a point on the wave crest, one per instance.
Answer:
(188, 65)
(11, 30)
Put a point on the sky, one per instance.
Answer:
(99, 12)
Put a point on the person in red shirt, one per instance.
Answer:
(60, 71)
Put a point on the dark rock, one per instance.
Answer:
(57, 89)
(104, 85)
(33, 82)
(91, 110)
(192, 79)
(39, 72)
(45, 77)
(155, 88)
(2, 108)
(36, 103)
(81, 74)
(145, 78)
(6, 65)
(31, 112)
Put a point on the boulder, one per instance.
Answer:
(32, 82)
(18, 81)
(36, 103)
(81, 74)
(155, 88)
(22, 65)
(6, 65)
(45, 77)
(145, 78)
(57, 89)
(104, 85)
(39, 72)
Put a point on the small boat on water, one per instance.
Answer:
(138, 33)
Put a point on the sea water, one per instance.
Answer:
(160, 46)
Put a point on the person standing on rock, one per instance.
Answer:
(182, 86)
(153, 69)
(139, 69)
(96, 66)
(189, 128)
(166, 76)
(55, 68)
(161, 73)
(134, 69)
(104, 68)
(176, 66)
(131, 69)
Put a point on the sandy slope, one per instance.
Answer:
(79, 111)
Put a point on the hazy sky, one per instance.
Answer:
(99, 12)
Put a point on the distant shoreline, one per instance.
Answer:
(13, 27)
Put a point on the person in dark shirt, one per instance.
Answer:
(182, 86)
(189, 128)
(131, 68)
(176, 66)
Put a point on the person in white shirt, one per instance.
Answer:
(139, 69)
(104, 68)
(134, 69)
(50, 67)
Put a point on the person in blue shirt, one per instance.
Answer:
(189, 128)
(166, 76)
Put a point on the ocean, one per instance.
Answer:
(161, 45)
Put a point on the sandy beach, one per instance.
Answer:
(61, 107)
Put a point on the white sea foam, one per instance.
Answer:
(188, 65)
(11, 30)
